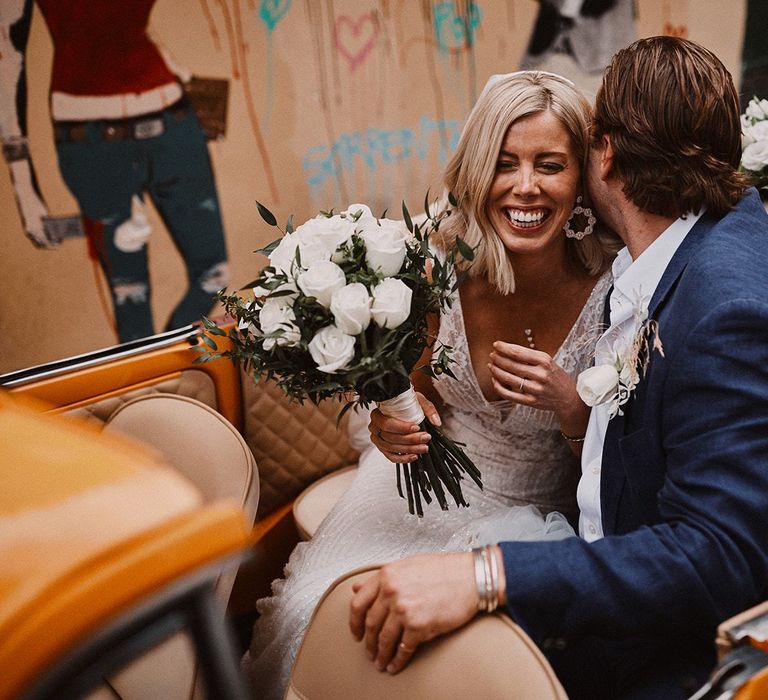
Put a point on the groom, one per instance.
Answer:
(674, 491)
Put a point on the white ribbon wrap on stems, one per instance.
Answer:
(404, 406)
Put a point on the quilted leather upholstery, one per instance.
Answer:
(192, 383)
(294, 445)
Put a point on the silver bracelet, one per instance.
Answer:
(486, 578)
(493, 600)
(480, 578)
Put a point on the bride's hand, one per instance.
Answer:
(399, 440)
(532, 378)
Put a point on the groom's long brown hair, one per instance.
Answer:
(671, 111)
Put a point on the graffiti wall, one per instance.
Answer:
(137, 136)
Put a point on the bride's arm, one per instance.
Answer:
(401, 441)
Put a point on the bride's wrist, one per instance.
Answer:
(573, 423)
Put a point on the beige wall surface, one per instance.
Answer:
(331, 102)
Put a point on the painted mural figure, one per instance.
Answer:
(123, 128)
(577, 38)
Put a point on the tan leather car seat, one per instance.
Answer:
(490, 658)
(316, 501)
(207, 449)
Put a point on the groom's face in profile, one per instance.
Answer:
(599, 192)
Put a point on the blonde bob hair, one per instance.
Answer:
(471, 171)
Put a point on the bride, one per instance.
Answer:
(523, 326)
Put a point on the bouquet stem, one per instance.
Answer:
(441, 469)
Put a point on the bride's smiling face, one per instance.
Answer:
(535, 185)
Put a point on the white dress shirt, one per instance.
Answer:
(633, 286)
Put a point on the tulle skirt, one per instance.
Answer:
(371, 525)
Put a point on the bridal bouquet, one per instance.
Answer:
(341, 310)
(754, 130)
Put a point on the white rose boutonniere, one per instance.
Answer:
(615, 382)
(597, 384)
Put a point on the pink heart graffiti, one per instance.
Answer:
(355, 38)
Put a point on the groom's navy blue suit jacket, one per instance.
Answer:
(684, 488)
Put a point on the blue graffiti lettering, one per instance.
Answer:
(380, 147)
(272, 11)
(454, 31)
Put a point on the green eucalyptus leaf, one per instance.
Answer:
(267, 249)
(210, 342)
(466, 251)
(407, 218)
(251, 285)
(267, 215)
(289, 224)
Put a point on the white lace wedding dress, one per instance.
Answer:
(523, 460)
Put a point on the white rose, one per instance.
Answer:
(758, 131)
(755, 156)
(282, 257)
(351, 308)
(757, 109)
(320, 237)
(332, 349)
(360, 212)
(321, 281)
(289, 285)
(391, 303)
(384, 245)
(597, 384)
(277, 315)
(746, 131)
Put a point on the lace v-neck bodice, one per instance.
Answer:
(520, 451)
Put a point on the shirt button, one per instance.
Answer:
(595, 470)
(592, 529)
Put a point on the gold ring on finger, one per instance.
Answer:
(521, 390)
(406, 649)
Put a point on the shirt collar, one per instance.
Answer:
(636, 280)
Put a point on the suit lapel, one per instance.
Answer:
(613, 472)
(677, 264)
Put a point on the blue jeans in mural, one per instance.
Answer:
(107, 164)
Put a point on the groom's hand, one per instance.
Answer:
(411, 601)
(399, 440)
